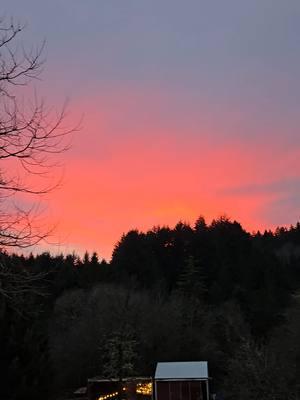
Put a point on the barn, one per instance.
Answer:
(181, 381)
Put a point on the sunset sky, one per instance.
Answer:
(187, 107)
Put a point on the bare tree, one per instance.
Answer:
(256, 373)
(16, 284)
(30, 134)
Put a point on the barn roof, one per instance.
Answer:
(182, 370)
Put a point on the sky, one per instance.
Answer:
(186, 108)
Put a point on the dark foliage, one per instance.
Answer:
(212, 292)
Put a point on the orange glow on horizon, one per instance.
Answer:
(132, 170)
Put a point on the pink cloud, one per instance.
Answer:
(135, 164)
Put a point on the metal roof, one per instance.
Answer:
(126, 379)
(182, 370)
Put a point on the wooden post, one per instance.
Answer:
(207, 393)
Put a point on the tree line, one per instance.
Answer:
(204, 292)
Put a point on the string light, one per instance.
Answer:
(141, 388)
(108, 396)
(144, 388)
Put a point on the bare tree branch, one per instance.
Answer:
(17, 284)
(30, 135)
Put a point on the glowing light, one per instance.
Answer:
(108, 396)
(144, 388)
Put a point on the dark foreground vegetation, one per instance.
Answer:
(208, 292)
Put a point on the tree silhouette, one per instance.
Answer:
(29, 136)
